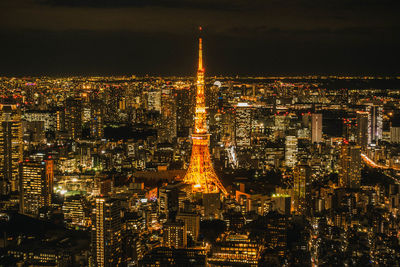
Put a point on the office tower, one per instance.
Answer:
(212, 96)
(134, 248)
(291, 151)
(162, 256)
(184, 111)
(49, 118)
(234, 220)
(73, 117)
(243, 121)
(301, 188)
(36, 185)
(201, 174)
(350, 166)
(362, 129)
(235, 250)
(11, 148)
(212, 205)
(168, 200)
(74, 210)
(154, 100)
(167, 127)
(49, 181)
(395, 134)
(316, 128)
(35, 131)
(192, 222)
(281, 203)
(175, 235)
(374, 124)
(96, 119)
(60, 120)
(106, 233)
(276, 237)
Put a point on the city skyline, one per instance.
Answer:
(112, 154)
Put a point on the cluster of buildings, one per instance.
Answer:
(108, 171)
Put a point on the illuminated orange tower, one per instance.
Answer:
(201, 174)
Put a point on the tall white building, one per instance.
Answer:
(243, 120)
(374, 124)
(291, 151)
(154, 100)
(316, 128)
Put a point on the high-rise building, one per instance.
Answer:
(235, 250)
(375, 123)
(36, 185)
(154, 100)
(276, 225)
(134, 248)
(316, 128)
(291, 151)
(243, 121)
(301, 188)
(96, 119)
(212, 205)
(162, 256)
(106, 233)
(362, 129)
(74, 210)
(175, 234)
(11, 148)
(201, 174)
(184, 112)
(192, 223)
(350, 166)
(49, 118)
(73, 117)
(395, 134)
(167, 127)
(168, 201)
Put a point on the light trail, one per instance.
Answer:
(372, 164)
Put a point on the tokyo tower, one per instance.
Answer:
(201, 174)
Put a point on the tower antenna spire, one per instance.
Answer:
(200, 50)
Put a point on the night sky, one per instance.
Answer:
(158, 37)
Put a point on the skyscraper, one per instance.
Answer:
(73, 210)
(192, 222)
(243, 116)
(235, 250)
(73, 117)
(175, 234)
(301, 188)
(184, 112)
(316, 128)
(11, 148)
(96, 119)
(395, 134)
(374, 124)
(167, 129)
(36, 185)
(154, 100)
(362, 129)
(350, 166)
(201, 174)
(106, 233)
(291, 151)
